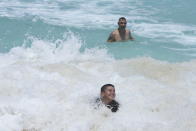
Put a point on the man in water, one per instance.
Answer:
(107, 97)
(120, 34)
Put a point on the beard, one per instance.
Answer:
(122, 27)
(122, 32)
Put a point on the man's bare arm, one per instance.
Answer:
(111, 38)
(130, 36)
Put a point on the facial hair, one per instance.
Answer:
(122, 32)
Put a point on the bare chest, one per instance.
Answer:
(121, 37)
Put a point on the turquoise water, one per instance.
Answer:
(164, 30)
(54, 58)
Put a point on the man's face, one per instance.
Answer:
(109, 93)
(122, 23)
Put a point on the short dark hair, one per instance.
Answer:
(121, 18)
(103, 88)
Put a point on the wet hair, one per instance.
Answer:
(121, 18)
(103, 88)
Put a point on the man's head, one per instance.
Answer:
(122, 22)
(108, 92)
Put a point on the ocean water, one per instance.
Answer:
(54, 58)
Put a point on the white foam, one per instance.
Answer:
(84, 15)
(46, 88)
(167, 32)
(61, 50)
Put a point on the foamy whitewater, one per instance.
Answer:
(54, 58)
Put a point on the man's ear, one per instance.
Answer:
(102, 94)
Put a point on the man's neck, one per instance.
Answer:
(122, 33)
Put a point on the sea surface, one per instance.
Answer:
(54, 58)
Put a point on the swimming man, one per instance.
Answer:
(107, 97)
(120, 34)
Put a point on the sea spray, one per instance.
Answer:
(43, 93)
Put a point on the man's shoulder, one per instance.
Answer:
(114, 102)
(127, 30)
(113, 105)
(115, 32)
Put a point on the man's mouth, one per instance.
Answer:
(111, 96)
